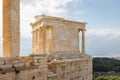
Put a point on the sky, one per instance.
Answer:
(102, 17)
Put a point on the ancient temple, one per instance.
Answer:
(56, 51)
(59, 40)
(53, 35)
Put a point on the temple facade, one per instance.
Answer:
(53, 35)
(59, 40)
(56, 50)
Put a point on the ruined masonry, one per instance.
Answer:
(56, 53)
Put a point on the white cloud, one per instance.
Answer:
(114, 55)
(102, 42)
(108, 34)
(35, 7)
(51, 7)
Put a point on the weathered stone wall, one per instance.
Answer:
(23, 68)
(77, 69)
(58, 66)
(66, 38)
(70, 66)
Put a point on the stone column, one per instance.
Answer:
(36, 34)
(39, 38)
(11, 28)
(83, 41)
(37, 42)
(44, 39)
(33, 41)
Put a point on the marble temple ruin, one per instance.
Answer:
(56, 50)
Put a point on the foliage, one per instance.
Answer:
(106, 65)
(106, 69)
(108, 78)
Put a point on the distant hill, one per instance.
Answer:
(106, 68)
(118, 58)
(106, 64)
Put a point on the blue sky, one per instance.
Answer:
(98, 13)
(102, 16)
